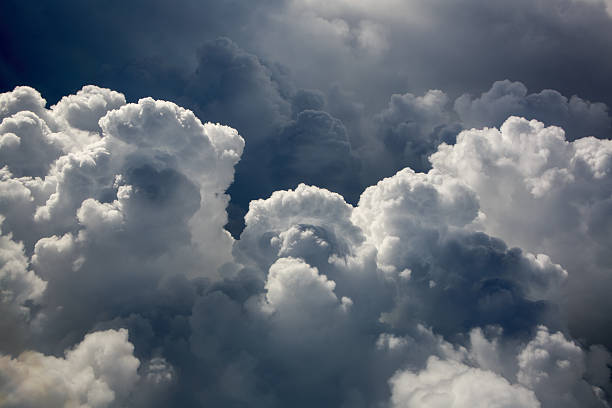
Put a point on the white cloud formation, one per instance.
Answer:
(547, 371)
(294, 288)
(130, 207)
(28, 146)
(554, 367)
(540, 192)
(129, 195)
(84, 109)
(97, 372)
(308, 222)
(18, 283)
(21, 99)
(455, 385)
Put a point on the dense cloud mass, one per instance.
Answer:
(306, 203)
(120, 286)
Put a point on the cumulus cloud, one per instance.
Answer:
(452, 384)
(97, 372)
(547, 195)
(19, 284)
(20, 289)
(548, 370)
(417, 224)
(487, 264)
(84, 109)
(576, 116)
(363, 49)
(408, 297)
(411, 127)
(150, 168)
(293, 287)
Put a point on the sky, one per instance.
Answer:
(339, 203)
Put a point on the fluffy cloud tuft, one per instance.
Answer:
(455, 385)
(95, 373)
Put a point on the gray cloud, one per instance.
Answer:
(576, 116)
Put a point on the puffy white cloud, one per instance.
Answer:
(84, 109)
(22, 98)
(413, 218)
(97, 372)
(157, 371)
(294, 288)
(547, 195)
(28, 147)
(125, 205)
(143, 144)
(162, 136)
(308, 222)
(548, 371)
(554, 367)
(18, 283)
(456, 385)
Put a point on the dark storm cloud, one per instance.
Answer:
(371, 48)
(99, 41)
(289, 139)
(462, 46)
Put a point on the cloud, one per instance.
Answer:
(20, 289)
(547, 370)
(417, 222)
(488, 264)
(547, 195)
(32, 152)
(23, 98)
(452, 384)
(411, 128)
(437, 45)
(554, 367)
(148, 169)
(19, 284)
(406, 294)
(84, 110)
(293, 287)
(576, 116)
(97, 372)
(246, 74)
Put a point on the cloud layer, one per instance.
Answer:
(482, 281)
